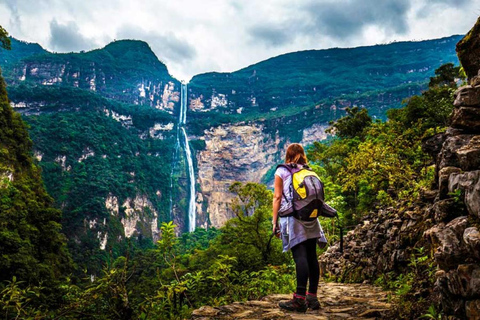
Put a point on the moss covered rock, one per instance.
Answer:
(468, 50)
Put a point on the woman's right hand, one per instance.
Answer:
(276, 230)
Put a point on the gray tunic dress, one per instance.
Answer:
(294, 231)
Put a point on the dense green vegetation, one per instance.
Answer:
(70, 123)
(88, 157)
(93, 148)
(373, 163)
(242, 260)
(31, 245)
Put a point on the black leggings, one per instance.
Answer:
(305, 256)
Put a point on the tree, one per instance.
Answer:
(247, 236)
(250, 231)
(446, 75)
(4, 39)
(352, 125)
(433, 108)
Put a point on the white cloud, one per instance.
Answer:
(67, 37)
(193, 36)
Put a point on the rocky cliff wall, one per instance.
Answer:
(456, 237)
(161, 94)
(238, 152)
(445, 222)
(125, 70)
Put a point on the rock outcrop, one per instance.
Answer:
(468, 50)
(454, 238)
(384, 242)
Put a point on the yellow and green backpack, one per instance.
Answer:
(308, 200)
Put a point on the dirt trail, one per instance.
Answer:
(339, 301)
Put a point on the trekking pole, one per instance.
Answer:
(341, 234)
(341, 239)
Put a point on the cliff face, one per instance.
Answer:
(126, 71)
(456, 237)
(239, 152)
(106, 164)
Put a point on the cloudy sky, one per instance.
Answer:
(195, 36)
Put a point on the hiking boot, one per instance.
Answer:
(296, 304)
(312, 302)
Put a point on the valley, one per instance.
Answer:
(124, 146)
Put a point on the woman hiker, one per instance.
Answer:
(299, 236)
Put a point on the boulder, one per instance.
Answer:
(451, 304)
(472, 197)
(467, 96)
(448, 157)
(428, 195)
(433, 145)
(447, 241)
(471, 237)
(468, 50)
(465, 281)
(469, 155)
(469, 183)
(443, 180)
(450, 132)
(466, 118)
(447, 210)
(205, 311)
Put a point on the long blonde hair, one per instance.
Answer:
(295, 154)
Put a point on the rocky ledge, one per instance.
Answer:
(339, 301)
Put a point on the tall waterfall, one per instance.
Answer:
(174, 162)
(191, 174)
(188, 154)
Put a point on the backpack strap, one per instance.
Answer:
(292, 168)
(286, 166)
(289, 170)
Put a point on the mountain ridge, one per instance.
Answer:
(328, 49)
(16, 42)
(308, 77)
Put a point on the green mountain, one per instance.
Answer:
(104, 136)
(378, 77)
(125, 70)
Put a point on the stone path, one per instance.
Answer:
(339, 301)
